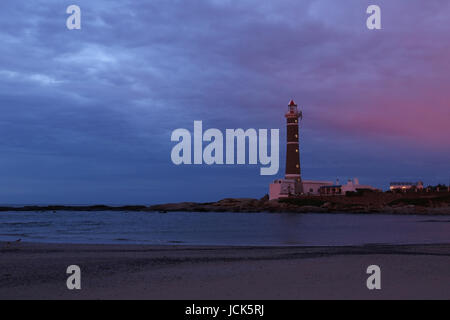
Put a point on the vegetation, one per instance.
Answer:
(411, 201)
(421, 201)
(301, 202)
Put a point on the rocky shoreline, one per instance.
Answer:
(424, 203)
(363, 205)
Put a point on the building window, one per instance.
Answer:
(296, 135)
(296, 150)
(296, 166)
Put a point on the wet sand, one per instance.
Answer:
(38, 271)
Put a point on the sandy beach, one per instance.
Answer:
(38, 271)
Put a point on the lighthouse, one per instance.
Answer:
(293, 171)
(292, 184)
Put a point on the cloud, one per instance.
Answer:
(112, 92)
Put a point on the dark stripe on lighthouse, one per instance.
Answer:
(293, 149)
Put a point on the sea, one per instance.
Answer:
(225, 228)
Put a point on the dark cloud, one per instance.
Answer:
(87, 115)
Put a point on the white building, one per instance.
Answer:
(403, 186)
(281, 188)
(311, 187)
(351, 186)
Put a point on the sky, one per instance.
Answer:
(87, 115)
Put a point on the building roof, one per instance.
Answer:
(403, 184)
(292, 103)
(317, 182)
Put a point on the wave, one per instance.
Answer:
(24, 235)
(23, 224)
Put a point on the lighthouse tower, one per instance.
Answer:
(292, 184)
(292, 147)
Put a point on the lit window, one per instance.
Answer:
(296, 150)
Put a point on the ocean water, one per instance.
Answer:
(240, 229)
